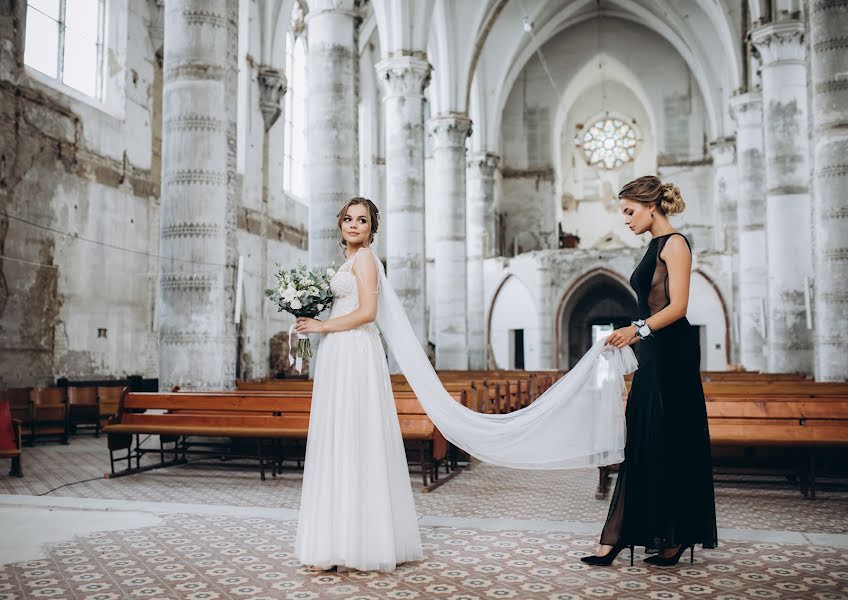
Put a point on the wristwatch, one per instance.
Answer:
(643, 330)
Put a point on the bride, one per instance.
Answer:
(356, 508)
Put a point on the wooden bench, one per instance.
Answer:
(185, 414)
(262, 416)
(48, 415)
(801, 416)
(83, 408)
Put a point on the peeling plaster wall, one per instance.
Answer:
(84, 169)
(92, 170)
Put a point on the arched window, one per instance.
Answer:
(294, 170)
(608, 143)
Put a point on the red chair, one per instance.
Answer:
(10, 439)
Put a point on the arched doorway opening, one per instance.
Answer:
(595, 305)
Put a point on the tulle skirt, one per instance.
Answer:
(356, 507)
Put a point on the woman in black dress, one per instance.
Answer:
(663, 497)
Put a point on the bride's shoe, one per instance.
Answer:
(316, 569)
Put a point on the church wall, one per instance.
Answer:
(92, 170)
(530, 291)
(530, 219)
(668, 107)
(86, 170)
(271, 234)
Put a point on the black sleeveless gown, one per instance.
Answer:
(664, 494)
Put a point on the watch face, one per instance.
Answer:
(644, 330)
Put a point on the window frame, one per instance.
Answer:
(100, 45)
(584, 130)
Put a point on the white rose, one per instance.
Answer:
(331, 272)
(301, 293)
(295, 304)
(313, 291)
(320, 307)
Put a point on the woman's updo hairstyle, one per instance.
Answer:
(374, 217)
(650, 190)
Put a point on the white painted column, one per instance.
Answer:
(197, 341)
(829, 64)
(404, 79)
(480, 236)
(449, 133)
(751, 218)
(788, 223)
(726, 193)
(332, 119)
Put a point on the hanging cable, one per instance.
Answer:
(528, 27)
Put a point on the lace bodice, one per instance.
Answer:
(346, 293)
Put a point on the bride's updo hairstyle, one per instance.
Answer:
(373, 217)
(650, 190)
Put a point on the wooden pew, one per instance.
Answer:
(804, 416)
(83, 408)
(108, 402)
(20, 408)
(246, 415)
(48, 414)
(217, 414)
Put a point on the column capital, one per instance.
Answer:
(272, 88)
(323, 7)
(780, 43)
(747, 109)
(723, 151)
(449, 129)
(403, 76)
(484, 162)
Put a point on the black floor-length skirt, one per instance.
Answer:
(664, 494)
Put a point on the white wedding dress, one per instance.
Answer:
(356, 507)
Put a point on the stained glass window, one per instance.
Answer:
(608, 143)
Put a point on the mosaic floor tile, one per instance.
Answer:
(210, 557)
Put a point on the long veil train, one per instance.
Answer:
(578, 422)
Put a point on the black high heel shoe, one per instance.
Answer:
(606, 559)
(669, 561)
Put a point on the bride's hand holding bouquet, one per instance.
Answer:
(304, 293)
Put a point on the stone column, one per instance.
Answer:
(480, 239)
(404, 79)
(829, 64)
(333, 148)
(272, 85)
(724, 164)
(449, 132)
(788, 226)
(747, 109)
(197, 342)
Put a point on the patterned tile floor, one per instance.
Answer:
(211, 557)
(483, 491)
(248, 555)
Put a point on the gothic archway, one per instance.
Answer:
(595, 302)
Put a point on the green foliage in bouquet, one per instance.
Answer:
(302, 292)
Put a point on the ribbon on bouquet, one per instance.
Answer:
(298, 362)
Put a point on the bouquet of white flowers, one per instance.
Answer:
(302, 292)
